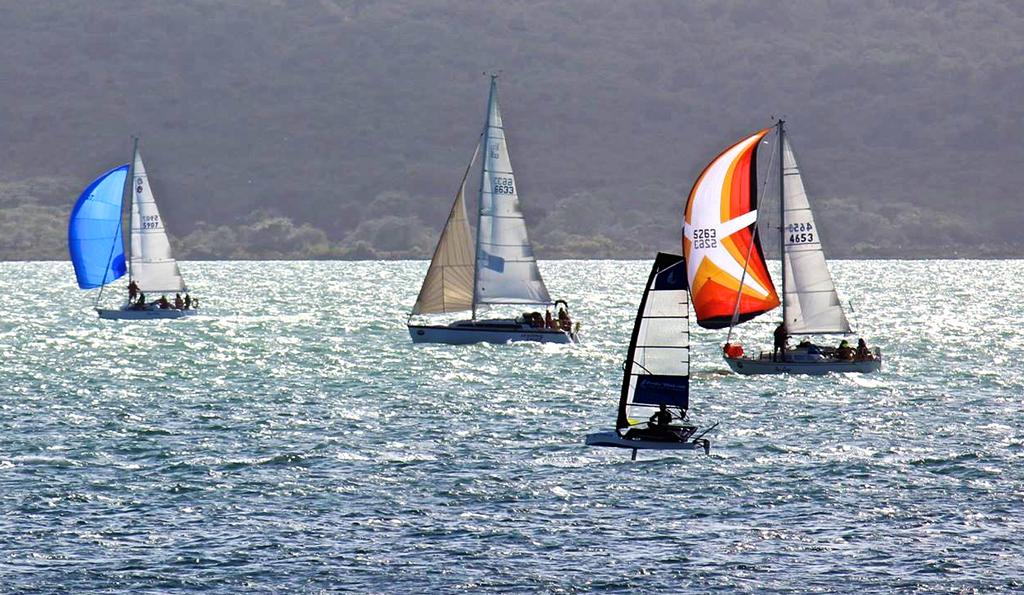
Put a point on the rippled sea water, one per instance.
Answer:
(292, 438)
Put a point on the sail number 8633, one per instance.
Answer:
(705, 238)
(504, 185)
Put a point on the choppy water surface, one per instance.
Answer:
(294, 439)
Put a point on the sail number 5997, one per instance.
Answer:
(704, 238)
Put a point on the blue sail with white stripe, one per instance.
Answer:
(95, 239)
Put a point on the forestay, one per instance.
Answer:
(721, 247)
(506, 270)
(658, 361)
(812, 305)
(152, 265)
(95, 240)
(448, 286)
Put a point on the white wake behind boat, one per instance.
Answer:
(730, 280)
(497, 268)
(97, 246)
(656, 380)
(126, 312)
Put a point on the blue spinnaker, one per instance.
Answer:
(94, 232)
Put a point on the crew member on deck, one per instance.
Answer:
(549, 321)
(133, 291)
(178, 302)
(781, 336)
(862, 350)
(188, 301)
(564, 322)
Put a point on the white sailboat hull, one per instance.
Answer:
(147, 314)
(487, 331)
(613, 440)
(798, 362)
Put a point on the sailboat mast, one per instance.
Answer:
(480, 194)
(129, 184)
(782, 215)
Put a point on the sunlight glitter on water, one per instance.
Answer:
(292, 438)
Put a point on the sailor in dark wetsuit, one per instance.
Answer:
(781, 336)
(661, 418)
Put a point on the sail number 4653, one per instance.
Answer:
(800, 233)
(704, 238)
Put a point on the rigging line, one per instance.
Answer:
(750, 250)
(129, 179)
(701, 435)
(110, 258)
(852, 323)
(669, 268)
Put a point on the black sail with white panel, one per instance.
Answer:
(657, 370)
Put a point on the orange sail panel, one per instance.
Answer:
(719, 240)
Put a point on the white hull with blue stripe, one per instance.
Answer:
(800, 361)
(487, 331)
(143, 314)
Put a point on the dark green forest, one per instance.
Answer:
(340, 128)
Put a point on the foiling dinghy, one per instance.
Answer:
(97, 247)
(729, 278)
(656, 383)
(498, 268)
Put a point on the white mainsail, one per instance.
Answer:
(506, 270)
(152, 265)
(448, 286)
(811, 302)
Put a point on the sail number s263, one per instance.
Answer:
(150, 221)
(705, 238)
(504, 185)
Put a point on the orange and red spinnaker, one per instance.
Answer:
(719, 240)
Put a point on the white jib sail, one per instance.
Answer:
(812, 305)
(448, 286)
(152, 265)
(506, 270)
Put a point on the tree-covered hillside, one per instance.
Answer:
(340, 128)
